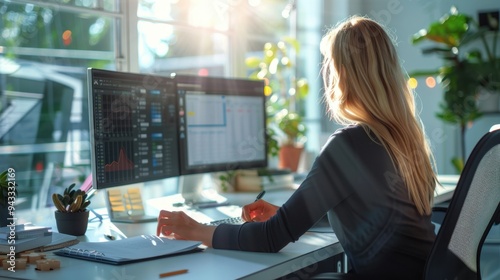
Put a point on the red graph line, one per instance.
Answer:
(123, 163)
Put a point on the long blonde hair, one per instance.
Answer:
(365, 85)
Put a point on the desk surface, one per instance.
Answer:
(445, 191)
(209, 264)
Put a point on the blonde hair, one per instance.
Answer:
(365, 85)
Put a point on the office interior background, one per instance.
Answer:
(46, 47)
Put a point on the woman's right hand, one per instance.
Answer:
(258, 211)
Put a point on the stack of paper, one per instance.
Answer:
(20, 238)
(23, 231)
(59, 240)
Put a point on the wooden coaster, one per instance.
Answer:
(33, 257)
(21, 263)
(42, 265)
(47, 264)
(54, 264)
(18, 264)
(5, 264)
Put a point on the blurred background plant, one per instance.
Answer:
(285, 93)
(470, 66)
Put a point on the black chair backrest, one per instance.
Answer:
(472, 210)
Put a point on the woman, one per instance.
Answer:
(373, 178)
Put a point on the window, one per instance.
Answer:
(43, 101)
(47, 45)
(205, 37)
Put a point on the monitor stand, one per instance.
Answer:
(127, 207)
(198, 191)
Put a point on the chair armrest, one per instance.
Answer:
(438, 213)
(439, 209)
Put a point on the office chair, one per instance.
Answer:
(470, 215)
(473, 209)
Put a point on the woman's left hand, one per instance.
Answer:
(181, 226)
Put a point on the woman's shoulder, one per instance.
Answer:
(349, 129)
(342, 135)
(350, 132)
(351, 136)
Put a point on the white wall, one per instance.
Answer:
(405, 18)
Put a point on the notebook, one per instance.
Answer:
(59, 240)
(133, 249)
(21, 245)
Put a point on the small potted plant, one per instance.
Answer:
(291, 124)
(286, 131)
(71, 215)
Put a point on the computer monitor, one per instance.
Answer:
(133, 135)
(147, 127)
(222, 126)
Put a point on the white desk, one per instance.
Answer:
(311, 248)
(209, 264)
(445, 191)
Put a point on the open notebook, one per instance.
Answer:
(129, 250)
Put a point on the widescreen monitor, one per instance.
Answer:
(222, 127)
(222, 124)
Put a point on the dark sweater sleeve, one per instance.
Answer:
(322, 190)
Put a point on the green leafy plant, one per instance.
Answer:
(284, 93)
(226, 179)
(71, 200)
(291, 124)
(6, 186)
(464, 71)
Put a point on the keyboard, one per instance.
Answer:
(234, 221)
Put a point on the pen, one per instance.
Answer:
(172, 273)
(109, 236)
(260, 195)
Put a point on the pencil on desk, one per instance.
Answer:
(172, 273)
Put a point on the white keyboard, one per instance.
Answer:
(234, 221)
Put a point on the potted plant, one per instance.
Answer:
(286, 129)
(71, 214)
(7, 189)
(464, 72)
(290, 123)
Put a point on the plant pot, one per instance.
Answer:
(72, 223)
(289, 157)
